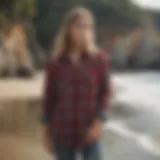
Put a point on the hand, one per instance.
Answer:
(48, 141)
(95, 132)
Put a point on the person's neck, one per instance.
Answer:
(75, 50)
(75, 55)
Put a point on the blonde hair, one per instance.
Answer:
(61, 41)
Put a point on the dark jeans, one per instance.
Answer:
(91, 152)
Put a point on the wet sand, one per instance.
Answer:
(132, 132)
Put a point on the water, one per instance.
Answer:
(133, 131)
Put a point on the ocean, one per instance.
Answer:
(133, 129)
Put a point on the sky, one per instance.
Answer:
(152, 4)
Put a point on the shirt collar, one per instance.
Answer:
(64, 58)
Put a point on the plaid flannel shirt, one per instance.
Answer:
(75, 95)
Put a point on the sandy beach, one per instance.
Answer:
(132, 131)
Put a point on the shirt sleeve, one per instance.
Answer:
(104, 90)
(49, 98)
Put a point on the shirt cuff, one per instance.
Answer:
(102, 116)
(45, 120)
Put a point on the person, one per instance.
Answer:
(18, 61)
(77, 91)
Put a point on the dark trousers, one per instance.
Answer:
(91, 152)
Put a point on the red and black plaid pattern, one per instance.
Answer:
(75, 95)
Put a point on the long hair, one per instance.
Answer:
(62, 42)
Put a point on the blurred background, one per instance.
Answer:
(129, 30)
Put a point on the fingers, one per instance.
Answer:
(94, 134)
(48, 144)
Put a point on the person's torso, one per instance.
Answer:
(76, 90)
